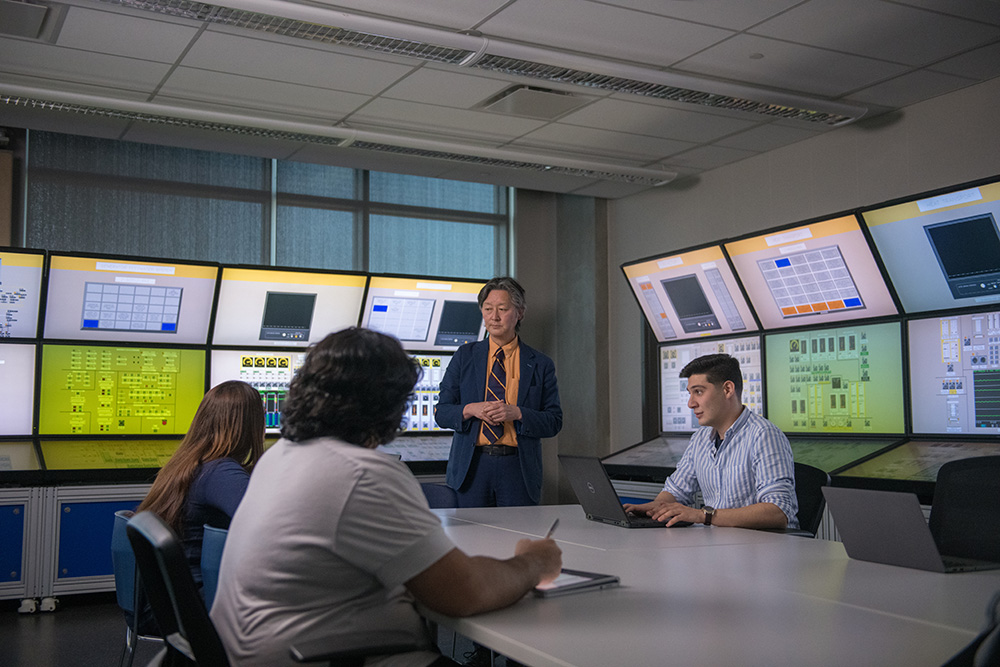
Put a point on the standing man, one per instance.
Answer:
(500, 397)
(741, 462)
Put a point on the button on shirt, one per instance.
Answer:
(753, 464)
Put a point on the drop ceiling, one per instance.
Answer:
(170, 76)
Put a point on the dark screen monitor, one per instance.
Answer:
(843, 380)
(126, 299)
(425, 314)
(818, 273)
(955, 374)
(20, 292)
(284, 307)
(689, 294)
(942, 250)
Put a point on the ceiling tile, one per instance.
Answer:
(56, 64)
(248, 94)
(600, 30)
(977, 10)
(121, 35)
(317, 67)
(979, 64)
(708, 157)
(911, 88)
(655, 121)
(766, 137)
(602, 143)
(444, 13)
(790, 66)
(731, 14)
(444, 88)
(396, 113)
(873, 29)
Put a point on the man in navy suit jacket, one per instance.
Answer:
(502, 468)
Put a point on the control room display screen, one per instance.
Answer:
(20, 293)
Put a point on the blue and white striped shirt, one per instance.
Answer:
(753, 464)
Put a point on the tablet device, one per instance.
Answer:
(575, 581)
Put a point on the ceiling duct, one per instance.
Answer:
(469, 50)
(145, 112)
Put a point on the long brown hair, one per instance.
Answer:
(229, 423)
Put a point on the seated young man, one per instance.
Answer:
(333, 536)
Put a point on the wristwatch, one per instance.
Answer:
(709, 513)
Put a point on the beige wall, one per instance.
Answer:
(944, 141)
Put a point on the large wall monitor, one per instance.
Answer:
(17, 388)
(425, 314)
(675, 415)
(689, 294)
(819, 273)
(284, 307)
(847, 379)
(20, 292)
(955, 373)
(107, 390)
(125, 299)
(420, 416)
(269, 372)
(943, 251)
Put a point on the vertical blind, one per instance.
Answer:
(87, 194)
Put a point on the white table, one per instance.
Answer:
(716, 596)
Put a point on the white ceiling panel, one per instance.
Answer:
(443, 13)
(708, 157)
(280, 62)
(981, 64)
(791, 66)
(977, 10)
(248, 94)
(766, 137)
(910, 88)
(732, 14)
(445, 88)
(135, 37)
(58, 64)
(596, 142)
(877, 30)
(656, 121)
(598, 29)
(397, 113)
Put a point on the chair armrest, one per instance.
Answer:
(355, 645)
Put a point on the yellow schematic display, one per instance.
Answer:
(96, 390)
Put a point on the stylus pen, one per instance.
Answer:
(552, 530)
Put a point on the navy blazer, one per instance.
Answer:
(537, 395)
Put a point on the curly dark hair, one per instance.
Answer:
(355, 385)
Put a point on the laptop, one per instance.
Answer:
(596, 494)
(889, 527)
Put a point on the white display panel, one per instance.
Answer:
(419, 416)
(17, 388)
(269, 372)
(675, 415)
(122, 299)
(20, 293)
(425, 314)
(285, 308)
(955, 374)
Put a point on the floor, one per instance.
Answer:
(89, 631)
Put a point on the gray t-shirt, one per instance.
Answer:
(322, 543)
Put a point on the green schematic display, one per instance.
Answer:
(843, 380)
(93, 390)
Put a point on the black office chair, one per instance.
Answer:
(984, 650)
(439, 496)
(965, 513)
(188, 631)
(128, 591)
(809, 483)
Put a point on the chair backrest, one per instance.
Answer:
(965, 514)
(809, 482)
(176, 602)
(123, 565)
(211, 557)
(439, 496)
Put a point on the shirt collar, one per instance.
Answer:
(508, 349)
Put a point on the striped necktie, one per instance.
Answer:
(496, 390)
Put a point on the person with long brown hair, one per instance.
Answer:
(204, 481)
